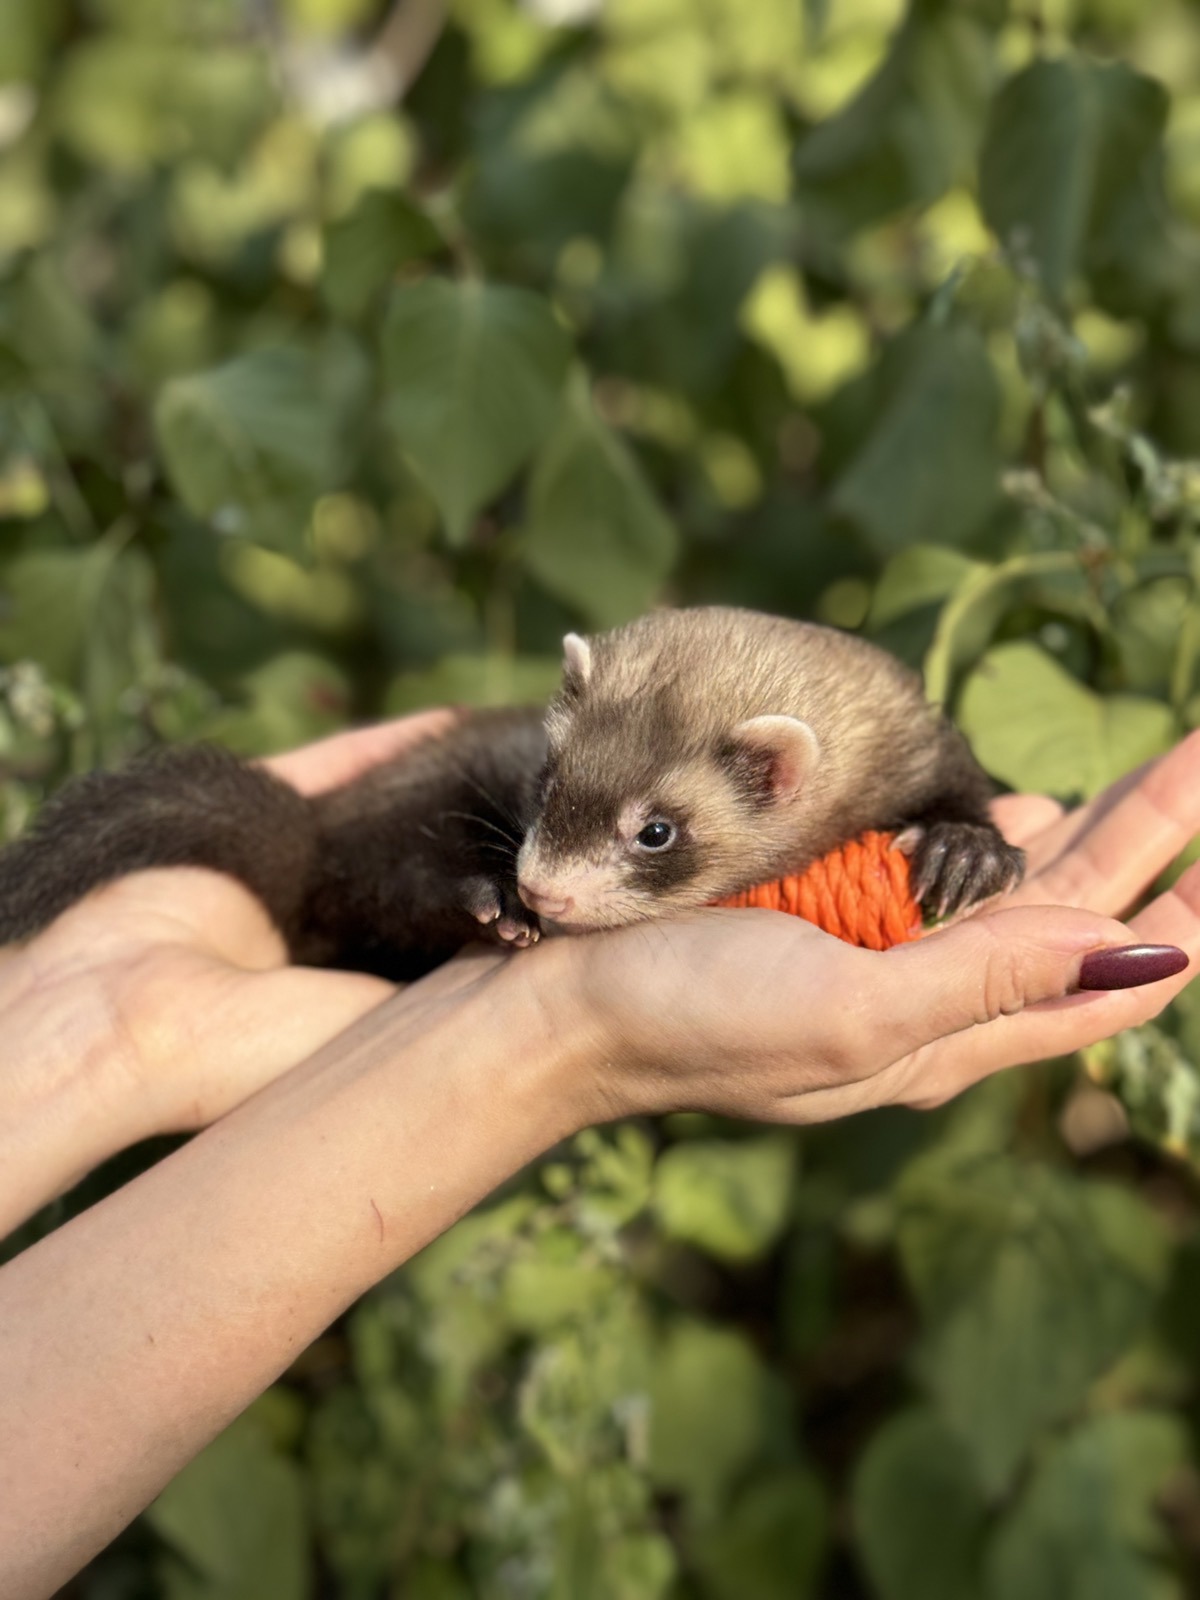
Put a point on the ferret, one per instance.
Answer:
(686, 756)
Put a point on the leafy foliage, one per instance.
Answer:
(341, 371)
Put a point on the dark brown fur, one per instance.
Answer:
(394, 872)
(380, 876)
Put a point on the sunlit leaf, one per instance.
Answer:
(729, 1199)
(1034, 726)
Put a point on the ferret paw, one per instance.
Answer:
(520, 932)
(501, 912)
(958, 864)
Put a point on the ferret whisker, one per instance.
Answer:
(503, 852)
(491, 799)
(470, 816)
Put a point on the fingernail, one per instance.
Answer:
(1130, 965)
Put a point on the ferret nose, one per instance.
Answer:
(544, 902)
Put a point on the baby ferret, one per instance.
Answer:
(686, 756)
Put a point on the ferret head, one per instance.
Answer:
(654, 799)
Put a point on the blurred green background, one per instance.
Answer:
(349, 355)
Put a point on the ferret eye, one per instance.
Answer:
(656, 835)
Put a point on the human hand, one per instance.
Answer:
(759, 1015)
(163, 1000)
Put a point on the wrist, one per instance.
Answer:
(583, 1058)
(61, 1110)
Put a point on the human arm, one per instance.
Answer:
(133, 1334)
(162, 1001)
(137, 1331)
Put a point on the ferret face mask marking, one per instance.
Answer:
(642, 813)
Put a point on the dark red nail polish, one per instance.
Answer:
(1130, 965)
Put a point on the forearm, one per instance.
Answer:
(130, 1337)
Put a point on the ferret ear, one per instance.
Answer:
(577, 660)
(783, 750)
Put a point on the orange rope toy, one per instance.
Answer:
(859, 893)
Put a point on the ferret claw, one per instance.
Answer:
(498, 908)
(957, 864)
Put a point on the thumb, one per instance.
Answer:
(998, 963)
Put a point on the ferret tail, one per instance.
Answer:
(187, 806)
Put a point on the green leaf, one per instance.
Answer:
(530, 206)
(709, 1407)
(928, 467)
(1087, 1527)
(596, 537)
(639, 1566)
(87, 617)
(27, 38)
(234, 1519)
(364, 250)
(1053, 579)
(770, 1542)
(681, 265)
(476, 680)
(249, 445)
(1066, 141)
(584, 1391)
(293, 698)
(919, 1512)
(542, 1290)
(1034, 726)
(616, 1177)
(130, 103)
(912, 129)
(48, 600)
(1030, 1283)
(1148, 624)
(730, 1199)
(455, 1282)
(920, 576)
(473, 375)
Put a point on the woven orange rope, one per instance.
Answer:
(859, 893)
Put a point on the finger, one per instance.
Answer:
(345, 756)
(1023, 818)
(1059, 1028)
(1102, 856)
(988, 967)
